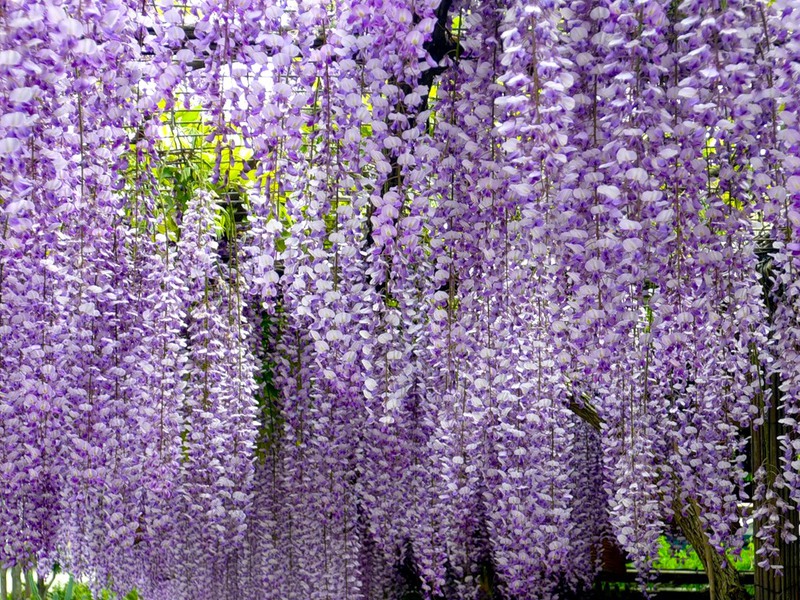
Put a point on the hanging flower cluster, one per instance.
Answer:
(467, 290)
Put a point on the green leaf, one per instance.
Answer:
(187, 117)
(32, 587)
(69, 589)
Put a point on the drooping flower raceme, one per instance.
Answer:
(459, 291)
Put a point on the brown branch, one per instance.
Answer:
(587, 412)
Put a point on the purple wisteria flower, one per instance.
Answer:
(463, 291)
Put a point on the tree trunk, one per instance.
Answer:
(724, 582)
(16, 582)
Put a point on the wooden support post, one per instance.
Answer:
(766, 453)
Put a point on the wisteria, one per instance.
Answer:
(352, 300)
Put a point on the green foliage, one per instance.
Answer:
(746, 561)
(192, 155)
(81, 591)
(615, 587)
(72, 591)
(676, 558)
(32, 587)
(673, 557)
(269, 395)
(69, 590)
